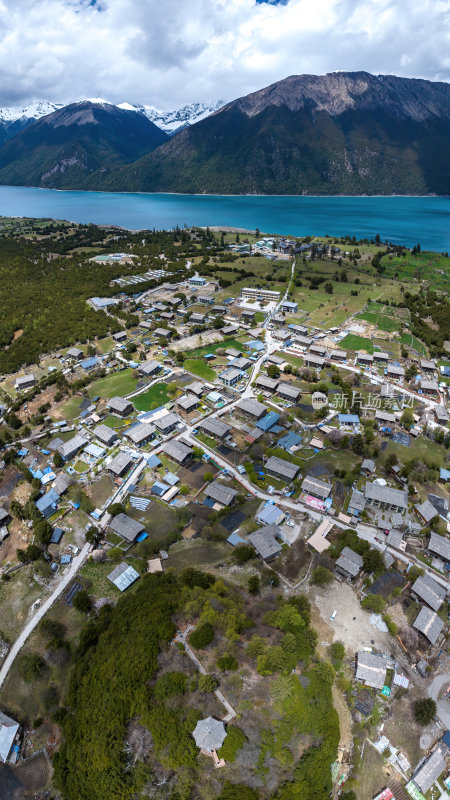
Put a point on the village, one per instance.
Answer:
(234, 429)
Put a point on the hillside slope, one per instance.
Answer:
(62, 149)
(342, 133)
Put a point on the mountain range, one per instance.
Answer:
(340, 133)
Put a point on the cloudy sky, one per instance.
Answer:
(169, 52)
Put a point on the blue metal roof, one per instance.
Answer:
(56, 536)
(255, 344)
(444, 474)
(47, 503)
(268, 421)
(154, 461)
(235, 539)
(290, 440)
(269, 514)
(88, 363)
(351, 418)
(160, 488)
(209, 502)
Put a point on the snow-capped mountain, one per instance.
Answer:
(173, 121)
(33, 111)
(15, 119)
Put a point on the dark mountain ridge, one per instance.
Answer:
(341, 133)
(63, 148)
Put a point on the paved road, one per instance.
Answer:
(41, 611)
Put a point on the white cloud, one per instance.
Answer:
(168, 52)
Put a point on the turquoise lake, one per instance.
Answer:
(403, 220)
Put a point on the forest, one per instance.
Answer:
(45, 281)
(116, 682)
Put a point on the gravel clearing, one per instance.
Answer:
(352, 625)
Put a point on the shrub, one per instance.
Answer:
(184, 489)
(207, 683)
(201, 636)
(321, 576)
(227, 662)
(52, 629)
(253, 584)
(235, 740)
(243, 553)
(171, 683)
(337, 652)
(424, 710)
(30, 666)
(237, 791)
(116, 508)
(82, 602)
(373, 602)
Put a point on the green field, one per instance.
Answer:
(119, 383)
(199, 367)
(412, 341)
(212, 348)
(383, 322)
(354, 342)
(152, 398)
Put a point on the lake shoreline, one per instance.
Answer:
(402, 220)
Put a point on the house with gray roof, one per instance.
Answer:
(395, 372)
(120, 464)
(426, 511)
(429, 387)
(141, 434)
(252, 407)
(441, 415)
(270, 514)
(166, 423)
(428, 624)
(220, 493)
(62, 483)
(149, 367)
(385, 497)
(264, 382)
(430, 591)
(385, 416)
(357, 503)
(25, 382)
(196, 388)
(187, 403)
(162, 333)
(313, 361)
(231, 376)
(240, 362)
(120, 407)
(371, 669)
(427, 366)
(106, 434)
(265, 542)
(9, 731)
(368, 466)
(215, 427)
(430, 769)
(381, 357)
(395, 539)
(288, 391)
(316, 487)
(178, 451)
(349, 564)
(279, 468)
(126, 527)
(75, 353)
(70, 448)
(439, 545)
